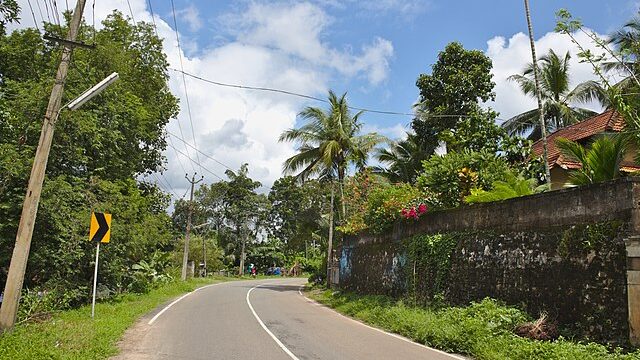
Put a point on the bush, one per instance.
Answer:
(452, 177)
(483, 330)
(513, 186)
(380, 206)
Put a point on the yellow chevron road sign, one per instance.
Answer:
(100, 230)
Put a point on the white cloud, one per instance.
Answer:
(297, 30)
(511, 56)
(191, 16)
(279, 46)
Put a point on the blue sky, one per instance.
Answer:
(417, 31)
(375, 50)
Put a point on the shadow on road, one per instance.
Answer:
(277, 287)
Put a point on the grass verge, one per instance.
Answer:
(74, 335)
(482, 330)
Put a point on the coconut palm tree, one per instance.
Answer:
(404, 159)
(557, 97)
(328, 143)
(625, 59)
(600, 161)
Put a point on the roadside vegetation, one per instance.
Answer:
(73, 334)
(484, 330)
(455, 154)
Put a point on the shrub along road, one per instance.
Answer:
(267, 319)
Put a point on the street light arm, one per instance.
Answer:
(95, 90)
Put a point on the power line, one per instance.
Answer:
(131, 12)
(160, 183)
(40, 11)
(194, 148)
(204, 168)
(46, 7)
(314, 98)
(34, 16)
(54, 8)
(184, 80)
(291, 93)
(177, 156)
(153, 18)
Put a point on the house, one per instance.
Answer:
(583, 132)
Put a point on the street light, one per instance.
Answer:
(95, 90)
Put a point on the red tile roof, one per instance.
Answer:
(608, 121)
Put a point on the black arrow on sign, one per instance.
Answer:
(103, 227)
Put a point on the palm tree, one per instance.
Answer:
(556, 95)
(328, 143)
(404, 159)
(599, 162)
(625, 62)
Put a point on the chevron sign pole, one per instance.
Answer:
(100, 232)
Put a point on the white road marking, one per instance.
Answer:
(280, 344)
(178, 299)
(379, 330)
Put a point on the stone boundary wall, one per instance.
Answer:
(513, 250)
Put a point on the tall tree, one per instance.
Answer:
(97, 153)
(296, 210)
(557, 96)
(244, 210)
(328, 143)
(458, 82)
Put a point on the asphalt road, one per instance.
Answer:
(260, 320)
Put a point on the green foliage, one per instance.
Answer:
(266, 254)
(452, 176)
(98, 152)
(403, 159)
(459, 81)
(9, 12)
(429, 264)
(150, 274)
(385, 203)
(513, 186)
(599, 162)
(482, 330)
(375, 205)
(476, 132)
(295, 212)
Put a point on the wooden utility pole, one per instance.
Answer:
(185, 256)
(536, 77)
(15, 277)
(330, 245)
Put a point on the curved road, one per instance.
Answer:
(261, 320)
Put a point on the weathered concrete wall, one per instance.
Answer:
(562, 252)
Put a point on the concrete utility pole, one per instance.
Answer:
(185, 256)
(330, 244)
(15, 277)
(536, 77)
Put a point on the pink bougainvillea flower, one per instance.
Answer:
(412, 213)
(403, 212)
(422, 208)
